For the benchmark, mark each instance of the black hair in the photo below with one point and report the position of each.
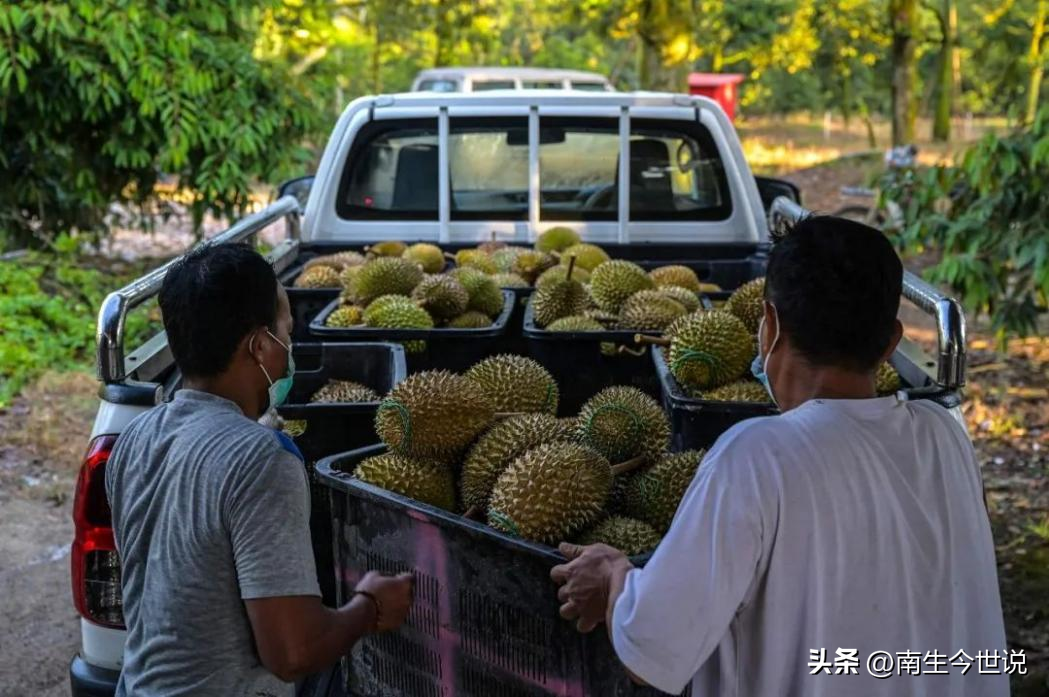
(210, 300)
(836, 286)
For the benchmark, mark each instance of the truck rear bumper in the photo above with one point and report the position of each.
(86, 680)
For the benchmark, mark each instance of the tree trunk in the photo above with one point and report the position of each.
(1036, 61)
(941, 125)
(904, 21)
(662, 26)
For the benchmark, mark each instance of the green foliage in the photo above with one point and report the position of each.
(100, 99)
(48, 306)
(988, 217)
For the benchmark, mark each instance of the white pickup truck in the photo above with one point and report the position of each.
(452, 169)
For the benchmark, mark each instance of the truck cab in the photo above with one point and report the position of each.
(646, 175)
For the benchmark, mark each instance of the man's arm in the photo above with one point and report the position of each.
(268, 520)
(297, 635)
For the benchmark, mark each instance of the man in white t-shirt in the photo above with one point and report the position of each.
(839, 549)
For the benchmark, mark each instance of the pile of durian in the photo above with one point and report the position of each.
(709, 352)
(487, 444)
(396, 286)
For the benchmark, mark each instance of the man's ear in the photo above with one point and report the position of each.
(894, 340)
(250, 346)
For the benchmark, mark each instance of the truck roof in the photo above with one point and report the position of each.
(481, 71)
(539, 97)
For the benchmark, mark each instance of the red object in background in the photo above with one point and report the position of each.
(721, 87)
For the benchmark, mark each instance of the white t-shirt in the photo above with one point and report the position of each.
(840, 525)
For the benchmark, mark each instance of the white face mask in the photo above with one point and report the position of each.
(760, 366)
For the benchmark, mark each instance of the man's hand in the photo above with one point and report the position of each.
(590, 582)
(393, 595)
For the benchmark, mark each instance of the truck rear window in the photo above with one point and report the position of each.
(675, 171)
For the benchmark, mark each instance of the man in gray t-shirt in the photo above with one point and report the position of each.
(211, 508)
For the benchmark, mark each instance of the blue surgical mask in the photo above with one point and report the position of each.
(759, 366)
(280, 389)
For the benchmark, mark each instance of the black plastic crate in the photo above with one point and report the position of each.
(697, 423)
(484, 622)
(451, 349)
(581, 369)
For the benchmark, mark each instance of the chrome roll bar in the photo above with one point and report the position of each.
(950, 319)
(109, 335)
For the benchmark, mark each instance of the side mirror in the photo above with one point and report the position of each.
(770, 189)
(298, 187)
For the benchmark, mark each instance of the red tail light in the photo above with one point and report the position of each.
(96, 566)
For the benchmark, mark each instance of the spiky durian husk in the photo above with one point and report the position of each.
(385, 276)
(550, 492)
(428, 256)
(649, 310)
(557, 239)
(687, 298)
(622, 422)
(485, 294)
(345, 316)
(614, 281)
(433, 414)
(319, 276)
(442, 296)
(575, 323)
(516, 384)
(709, 349)
(558, 273)
(629, 535)
(738, 391)
(653, 494)
(426, 480)
(345, 391)
(747, 303)
(472, 319)
(675, 275)
(887, 380)
(588, 256)
(499, 446)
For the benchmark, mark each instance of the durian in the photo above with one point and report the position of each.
(649, 310)
(504, 258)
(433, 414)
(709, 349)
(485, 294)
(614, 281)
(887, 380)
(428, 256)
(499, 446)
(557, 239)
(629, 535)
(589, 256)
(391, 248)
(558, 273)
(385, 276)
(338, 261)
(575, 323)
(687, 299)
(675, 275)
(653, 494)
(559, 299)
(528, 264)
(442, 296)
(345, 316)
(623, 423)
(515, 384)
(345, 391)
(475, 259)
(509, 280)
(471, 319)
(747, 303)
(738, 391)
(399, 312)
(319, 276)
(425, 480)
(550, 492)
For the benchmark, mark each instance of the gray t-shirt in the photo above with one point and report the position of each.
(209, 508)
